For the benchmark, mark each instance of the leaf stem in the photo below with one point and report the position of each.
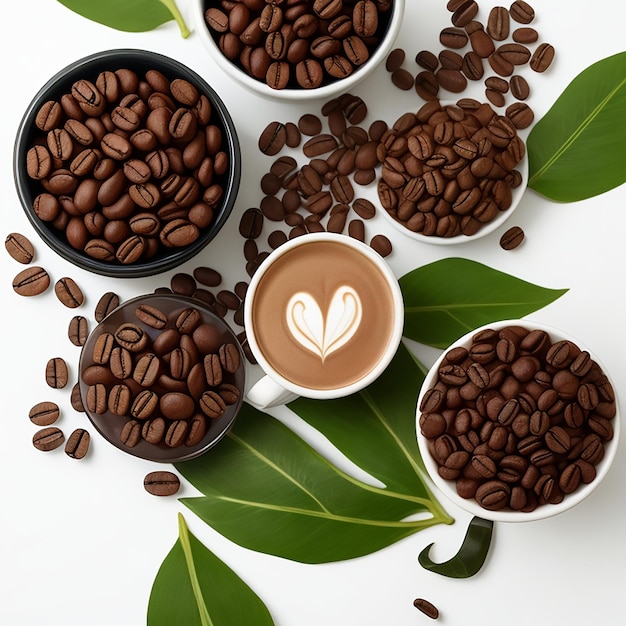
(173, 9)
(183, 535)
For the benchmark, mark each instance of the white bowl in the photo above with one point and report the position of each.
(447, 487)
(486, 229)
(299, 95)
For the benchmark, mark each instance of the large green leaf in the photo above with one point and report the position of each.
(268, 490)
(194, 588)
(577, 149)
(448, 298)
(376, 428)
(129, 15)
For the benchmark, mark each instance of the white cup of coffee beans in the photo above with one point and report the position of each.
(298, 51)
(517, 421)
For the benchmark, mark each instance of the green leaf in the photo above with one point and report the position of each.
(470, 557)
(448, 298)
(375, 429)
(129, 15)
(193, 587)
(576, 150)
(268, 490)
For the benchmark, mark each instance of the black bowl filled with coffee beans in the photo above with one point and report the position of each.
(517, 421)
(298, 50)
(162, 377)
(127, 163)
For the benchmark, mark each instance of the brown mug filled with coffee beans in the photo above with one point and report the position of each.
(517, 421)
(162, 377)
(127, 163)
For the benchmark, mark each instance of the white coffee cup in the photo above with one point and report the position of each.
(323, 317)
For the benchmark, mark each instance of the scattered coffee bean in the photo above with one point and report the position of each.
(56, 373)
(78, 330)
(68, 292)
(161, 483)
(395, 59)
(77, 444)
(542, 57)
(522, 12)
(44, 413)
(20, 248)
(31, 282)
(426, 607)
(48, 439)
(76, 399)
(512, 238)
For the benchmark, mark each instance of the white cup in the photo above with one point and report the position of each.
(337, 328)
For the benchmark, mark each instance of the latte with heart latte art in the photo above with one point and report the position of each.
(323, 315)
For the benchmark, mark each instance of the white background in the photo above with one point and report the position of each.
(81, 541)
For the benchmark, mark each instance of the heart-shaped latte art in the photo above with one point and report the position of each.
(319, 333)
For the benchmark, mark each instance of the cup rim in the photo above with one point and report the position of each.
(301, 95)
(541, 512)
(156, 265)
(396, 335)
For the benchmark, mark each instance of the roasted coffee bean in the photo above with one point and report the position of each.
(522, 12)
(20, 248)
(542, 57)
(519, 87)
(498, 24)
(395, 59)
(56, 373)
(161, 483)
(426, 607)
(44, 413)
(453, 37)
(69, 293)
(525, 35)
(78, 330)
(31, 282)
(48, 439)
(512, 238)
(77, 444)
(130, 435)
(107, 303)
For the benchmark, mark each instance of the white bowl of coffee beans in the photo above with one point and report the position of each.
(451, 172)
(517, 421)
(127, 163)
(162, 377)
(299, 50)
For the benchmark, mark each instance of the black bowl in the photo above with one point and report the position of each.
(88, 68)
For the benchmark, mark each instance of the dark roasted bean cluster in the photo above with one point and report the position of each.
(128, 166)
(516, 419)
(298, 44)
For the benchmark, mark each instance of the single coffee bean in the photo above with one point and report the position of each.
(426, 607)
(48, 439)
(69, 293)
(151, 316)
(402, 79)
(44, 413)
(395, 59)
(77, 444)
(130, 435)
(272, 138)
(522, 12)
(78, 330)
(427, 60)
(512, 238)
(161, 483)
(56, 373)
(20, 248)
(498, 23)
(542, 57)
(31, 282)
(519, 87)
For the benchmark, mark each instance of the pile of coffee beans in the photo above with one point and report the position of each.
(301, 44)
(320, 194)
(163, 377)
(517, 419)
(128, 166)
(448, 170)
(472, 49)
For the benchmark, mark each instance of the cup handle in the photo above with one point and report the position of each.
(267, 393)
